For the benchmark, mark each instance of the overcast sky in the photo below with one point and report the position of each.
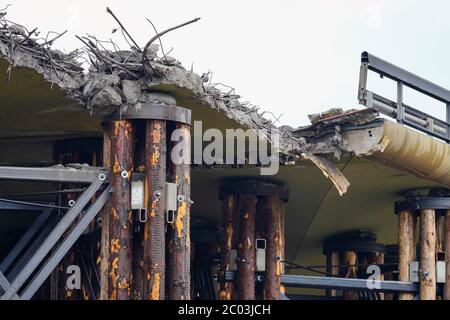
(289, 57)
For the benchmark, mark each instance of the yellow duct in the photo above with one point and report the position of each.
(414, 151)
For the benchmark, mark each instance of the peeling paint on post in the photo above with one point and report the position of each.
(273, 230)
(120, 227)
(154, 229)
(178, 276)
(227, 232)
(246, 248)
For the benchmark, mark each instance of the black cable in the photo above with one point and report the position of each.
(34, 204)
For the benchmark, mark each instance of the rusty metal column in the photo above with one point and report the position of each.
(227, 234)
(274, 250)
(120, 224)
(246, 248)
(406, 248)
(427, 263)
(178, 234)
(154, 229)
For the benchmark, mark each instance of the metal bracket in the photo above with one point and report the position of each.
(155, 111)
(437, 203)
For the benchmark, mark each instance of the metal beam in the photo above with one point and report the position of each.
(85, 175)
(54, 237)
(409, 79)
(295, 281)
(24, 240)
(65, 246)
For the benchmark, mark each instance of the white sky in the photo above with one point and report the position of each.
(288, 57)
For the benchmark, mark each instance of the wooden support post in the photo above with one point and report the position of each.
(104, 242)
(273, 230)
(154, 229)
(427, 265)
(406, 248)
(246, 249)
(228, 208)
(120, 224)
(349, 262)
(178, 236)
(446, 295)
(380, 263)
(332, 261)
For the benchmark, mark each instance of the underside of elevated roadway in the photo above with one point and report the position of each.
(34, 114)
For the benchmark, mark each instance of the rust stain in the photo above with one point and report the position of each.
(116, 167)
(154, 295)
(156, 133)
(114, 213)
(146, 232)
(155, 158)
(154, 207)
(179, 221)
(115, 246)
(229, 233)
(123, 284)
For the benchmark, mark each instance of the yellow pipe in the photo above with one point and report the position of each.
(414, 151)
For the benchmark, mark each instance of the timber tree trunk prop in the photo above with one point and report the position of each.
(178, 234)
(427, 265)
(120, 224)
(226, 287)
(154, 229)
(252, 210)
(406, 249)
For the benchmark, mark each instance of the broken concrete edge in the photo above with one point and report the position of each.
(107, 88)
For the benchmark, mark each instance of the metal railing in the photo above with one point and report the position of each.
(404, 113)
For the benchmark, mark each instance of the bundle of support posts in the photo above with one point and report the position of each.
(349, 255)
(147, 150)
(423, 221)
(253, 240)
